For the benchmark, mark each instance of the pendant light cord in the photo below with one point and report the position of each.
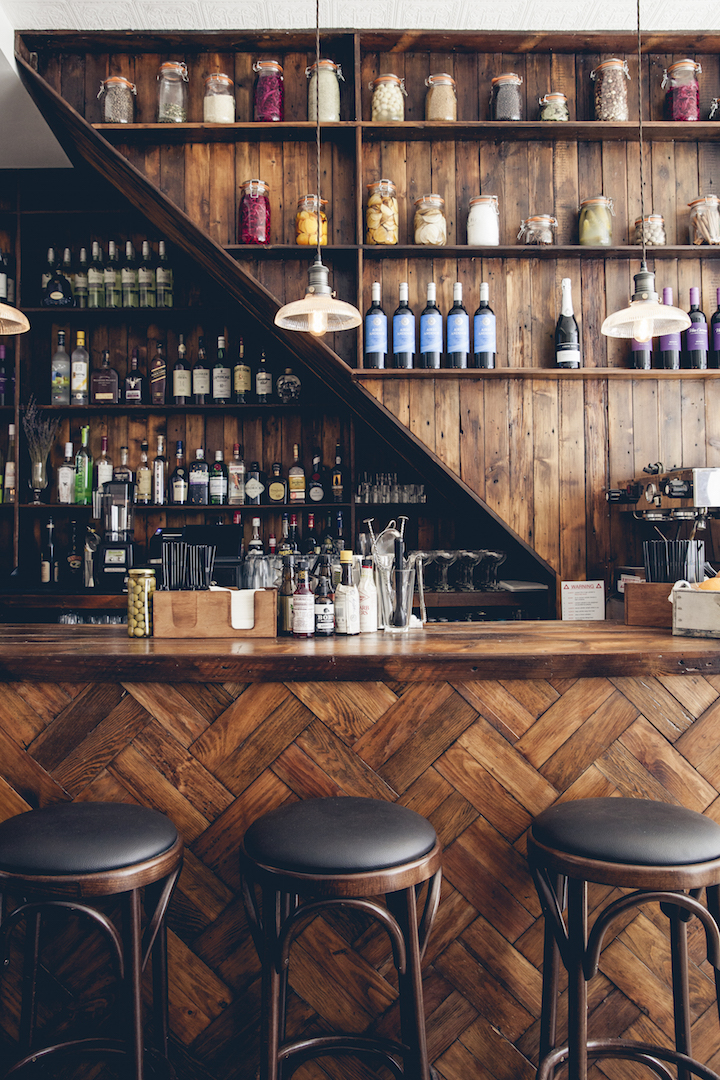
(640, 133)
(317, 118)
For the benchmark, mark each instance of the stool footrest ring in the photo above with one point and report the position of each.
(646, 1053)
(304, 1049)
(93, 1045)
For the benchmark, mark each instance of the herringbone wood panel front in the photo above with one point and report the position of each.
(479, 759)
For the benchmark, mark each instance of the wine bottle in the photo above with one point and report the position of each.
(112, 277)
(714, 360)
(129, 278)
(163, 278)
(220, 376)
(79, 372)
(96, 278)
(181, 377)
(695, 352)
(147, 286)
(669, 345)
(83, 470)
(201, 376)
(49, 567)
(376, 340)
(641, 354)
(80, 280)
(484, 331)
(143, 487)
(431, 331)
(458, 331)
(263, 381)
(160, 474)
(567, 335)
(403, 330)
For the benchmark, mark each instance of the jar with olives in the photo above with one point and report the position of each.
(172, 92)
(254, 213)
(219, 100)
(382, 219)
(306, 221)
(441, 99)
(483, 222)
(538, 229)
(654, 230)
(611, 100)
(429, 225)
(554, 106)
(388, 98)
(595, 222)
(506, 98)
(682, 91)
(269, 96)
(324, 91)
(141, 586)
(118, 100)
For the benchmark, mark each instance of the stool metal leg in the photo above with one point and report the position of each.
(131, 986)
(577, 986)
(681, 1002)
(412, 1011)
(271, 992)
(31, 963)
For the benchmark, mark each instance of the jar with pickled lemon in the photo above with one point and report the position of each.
(382, 219)
(141, 586)
(306, 221)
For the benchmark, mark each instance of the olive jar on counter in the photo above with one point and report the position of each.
(141, 586)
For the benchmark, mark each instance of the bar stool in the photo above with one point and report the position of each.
(307, 857)
(66, 857)
(663, 853)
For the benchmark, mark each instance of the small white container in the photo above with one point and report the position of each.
(483, 221)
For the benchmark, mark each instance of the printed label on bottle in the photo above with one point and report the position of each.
(567, 355)
(316, 492)
(324, 615)
(96, 279)
(221, 382)
(218, 486)
(276, 492)
(158, 483)
(104, 472)
(236, 484)
(670, 343)
(242, 380)
(144, 485)
(296, 486)
(182, 384)
(285, 613)
(458, 333)
(697, 337)
(133, 390)
(45, 572)
(201, 381)
(376, 332)
(66, 484)
(179, 490)
(484, 333)
(253, 488)
(146, 277)
(263, 383)
(79, 377)
(404, 333)
(303, 613)
(715, 336)
(431, 333)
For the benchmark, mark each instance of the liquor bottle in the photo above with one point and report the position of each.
(143, 485)
(263, 381)
(159, 474)
(60, 373)
(695, 338)
(254, 485)
(288, 387)
(147, 286)
(284, 547)
(58, 290)
(272, 545)
(484, 331)
(112, 278)
(134, 382)
(79, 371)
(303, 616)
(122, 472)
(277, 490)
(181, 376)
(10, 468)
(199, 480)
(164, 278)
(103, 472)
(324, 601)
(296, 478)
(83, 470)
(714, 360)
(310, 544)
(80, 280)
(236, 477)
(66, 477)
(201, 376)
(327, 544)
(458, 332)
(221, 376)
(50, 267)
(241, 377)
(96, 278)
(104, 383)
(669, 345)
(4, 380)
(218, 481)
(4, 262)
(129, 277)
(49, 568)
(641, 352)
(72, 564)
(158, 375)
(179, 494)
(403, 330)
(66, 269)
(255, 544)
(567, 335)
(285, 595)
(338, 477)
(316, 486)
(376, 333)
(368, 596)
(431, 331)
(11, 277)
(294, 535)
(347, 599)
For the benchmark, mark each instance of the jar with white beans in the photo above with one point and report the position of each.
(388, 100)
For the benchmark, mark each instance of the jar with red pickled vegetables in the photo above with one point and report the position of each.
(254, 214)
(682, 91)
(269, 91)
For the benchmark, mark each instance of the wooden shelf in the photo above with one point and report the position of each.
(60, 601)
(190, 132)
(539, 251)
(361, 374)
(144, 409)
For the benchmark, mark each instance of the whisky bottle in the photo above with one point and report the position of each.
(134, 382)
(277, 485)
(181, 377)
(129, 277)
(143, 487)
(179, 479)
(104, 383)
(218, 484)
(220, 376)
(263, 381)
(303, 609)
(96, 278)
(79, 371)
(122, 472)
(316, 486)
(112, 278)
(83, 470)
(201, 376)
(147, 287)
(484, 331)
(296, 478)
(242, 377)
(164, 278)
(159, 474)
(60, 373)
(158, 375)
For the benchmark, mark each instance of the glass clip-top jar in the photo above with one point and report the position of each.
(254, 215)
(682, 91)
(441, 99)
(554, 106)
(382, 218)
(141, 586)
(269, 98)
(324, 91)
(118, 100)
(705, 220)
(172, 92)
(219, 100)
(611, 79)
(429, 225)
(505, 97)
(483, 222)
(538, 229)
(654, 230)
(388, 99)
(306, 221)
(595, 221)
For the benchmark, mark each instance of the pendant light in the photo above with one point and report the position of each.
(318, 311)
(12, 320)
(646, 317)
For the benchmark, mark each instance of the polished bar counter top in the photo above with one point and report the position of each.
(535, 650)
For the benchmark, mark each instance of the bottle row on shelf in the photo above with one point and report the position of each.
(118, 282)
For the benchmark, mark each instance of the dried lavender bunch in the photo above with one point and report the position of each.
(40, 431)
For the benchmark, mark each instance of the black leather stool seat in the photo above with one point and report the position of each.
(83, 838)
(339, 836)
(639, 832)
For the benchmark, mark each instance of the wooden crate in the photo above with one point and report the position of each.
(646, 603)
(207, 615)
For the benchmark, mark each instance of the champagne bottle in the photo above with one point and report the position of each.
(376, 340)
(567, 335)
(431, 331)
(403, 330)
(458, 331)
(669, 345)
(696, 336)
(715, 335)
(484, 331)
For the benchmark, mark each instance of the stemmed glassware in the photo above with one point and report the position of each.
(38, 479)
(444, 560)
(492, 560)
(468, 561)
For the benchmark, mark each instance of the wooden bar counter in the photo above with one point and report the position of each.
(477, 726)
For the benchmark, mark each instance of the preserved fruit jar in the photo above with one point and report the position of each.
(483, 222)
(654, 230)
(429, 224)
(254, 215)
(611, 79)
(306, 221)
(554, 106)
(388, 98)
(682, 91)
(219, 100)
(141, 586)
(705, 220)
(324, 91)
(172, 92)
(714, 106)
(538, 229)
(118, 100)
(382, 220)
(269, 98)
(441, 99)
(595, 223)
(505, 97)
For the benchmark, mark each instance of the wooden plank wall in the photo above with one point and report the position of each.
(479, 759)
